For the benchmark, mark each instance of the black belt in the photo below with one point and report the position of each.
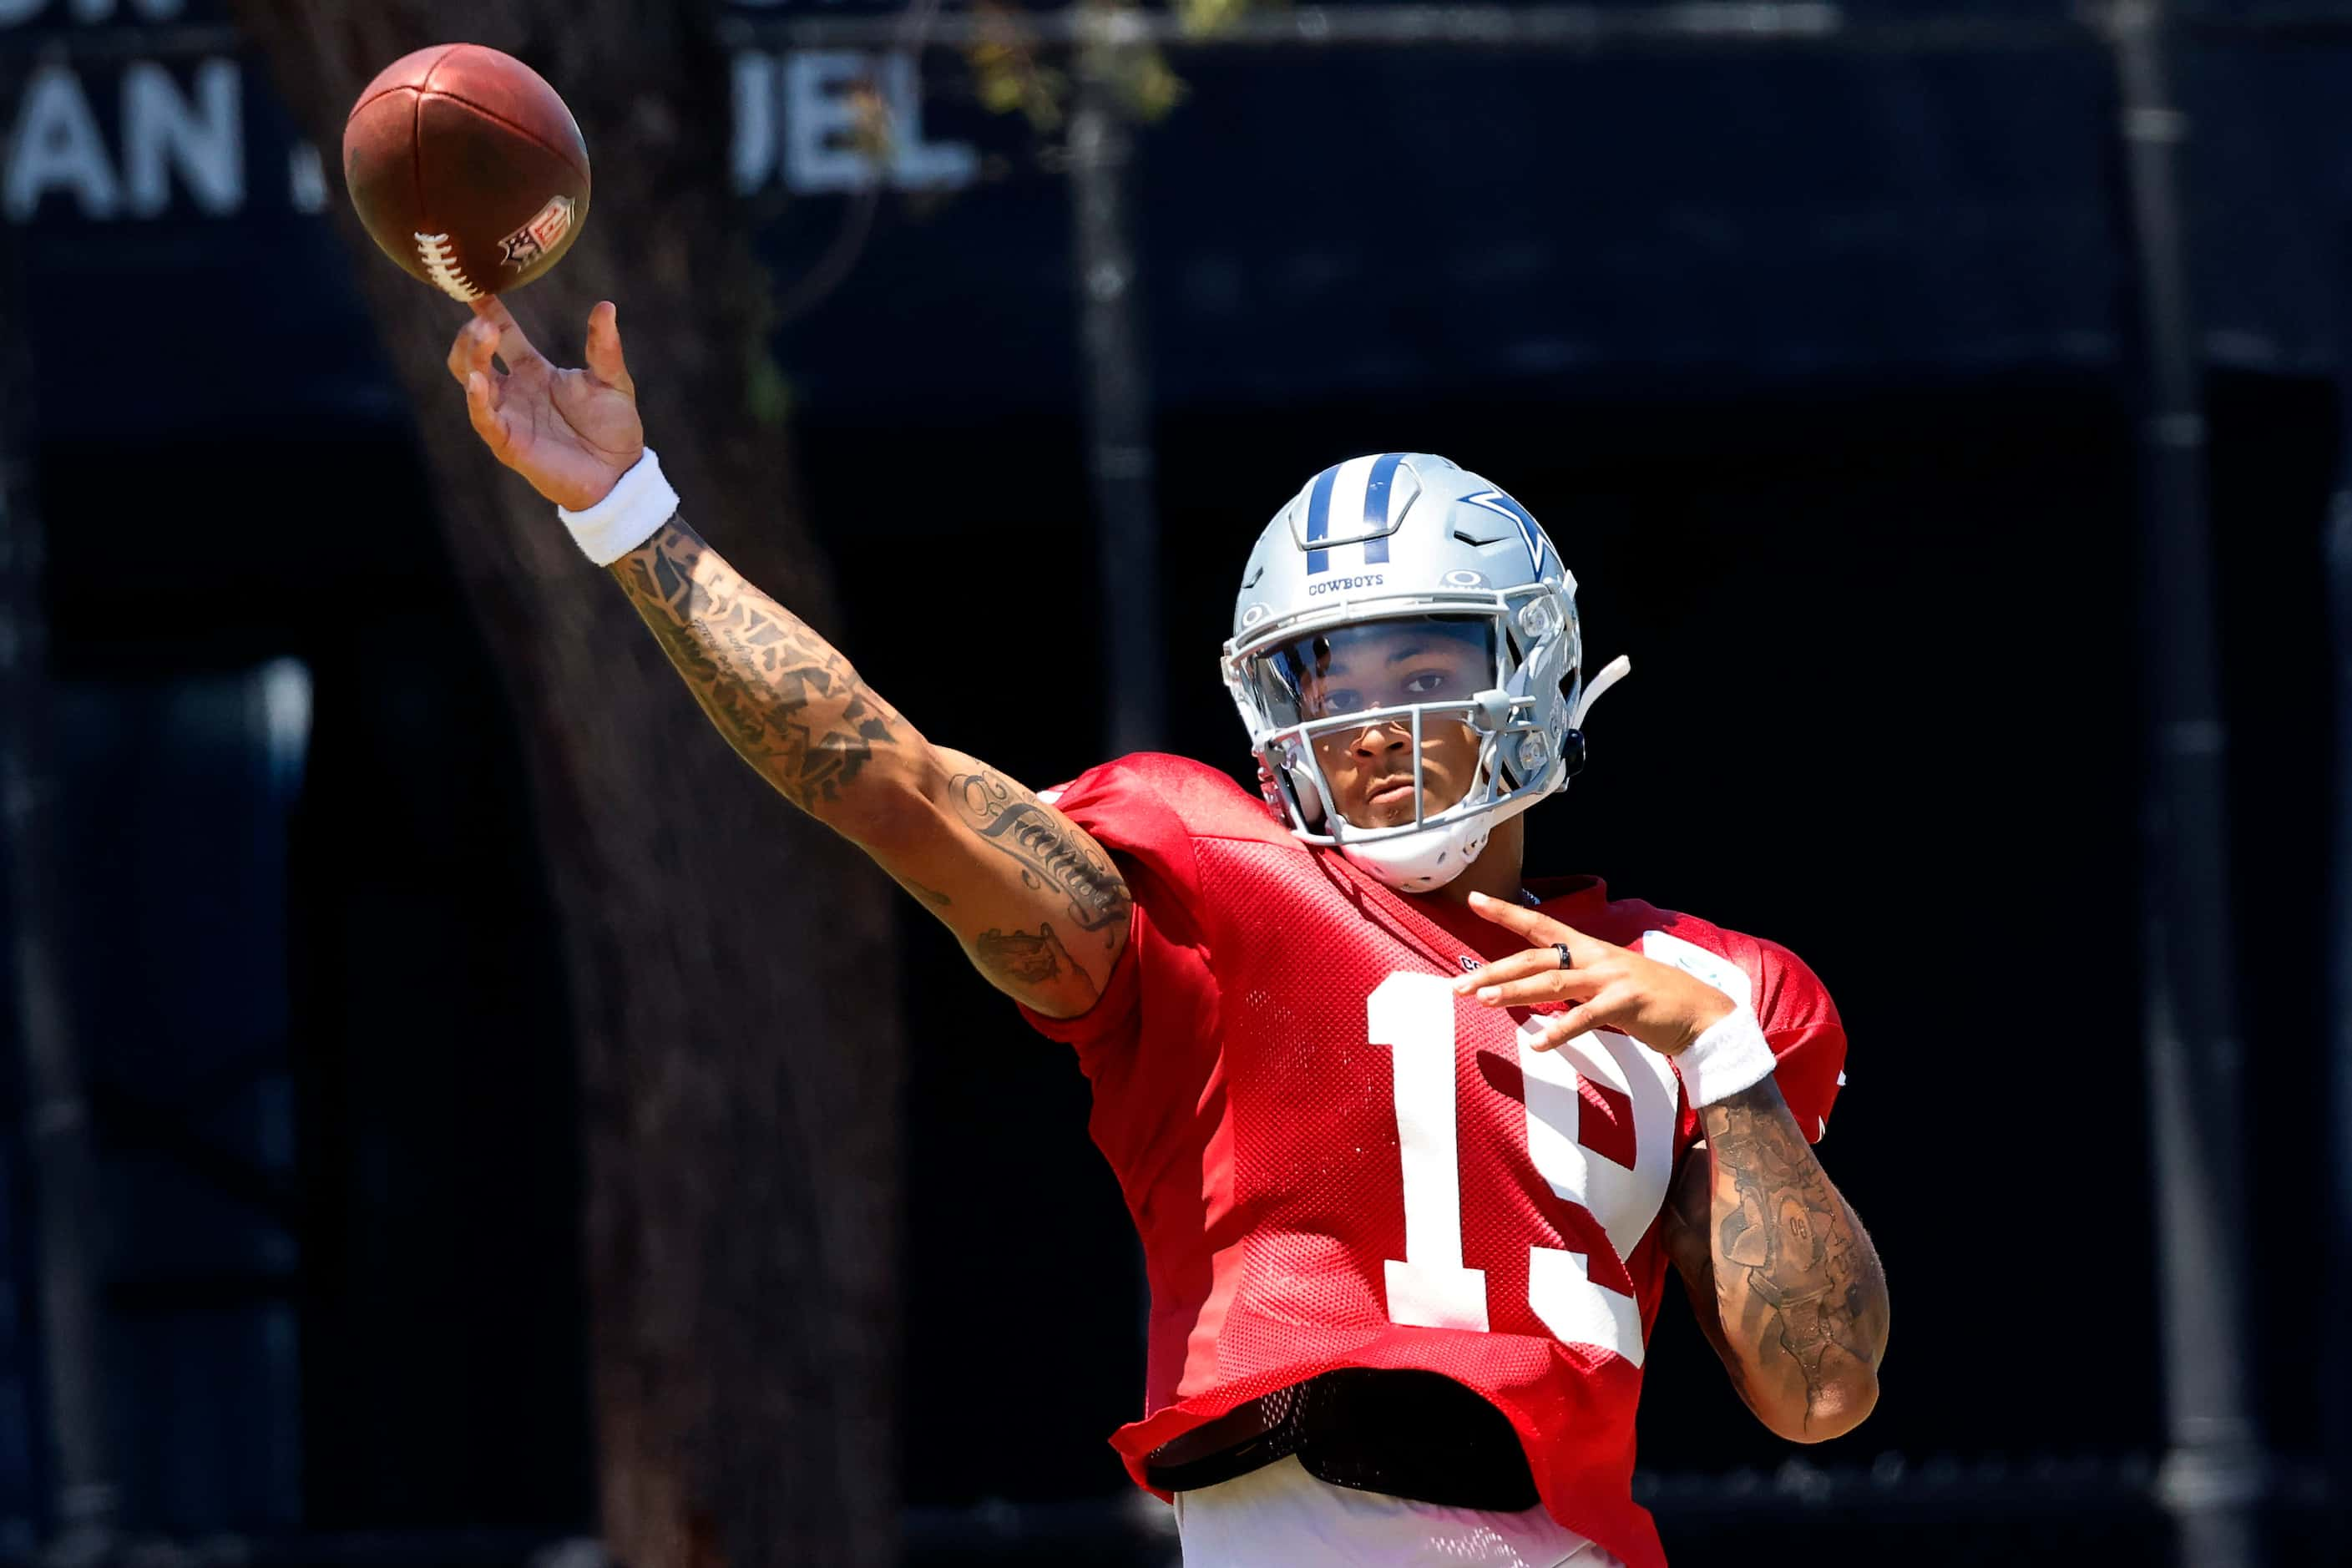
(1413, 1434)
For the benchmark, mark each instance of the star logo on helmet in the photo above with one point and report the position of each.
(1504, 506)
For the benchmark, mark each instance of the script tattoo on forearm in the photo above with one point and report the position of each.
(1794, 1270)
(788, 702)
(1011, 820)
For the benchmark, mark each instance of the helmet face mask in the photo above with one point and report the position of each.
(1416, 684)
(1401, 599)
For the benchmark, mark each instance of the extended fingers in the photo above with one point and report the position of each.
(1612, 1005)
(513, 346)
(1535, 976)
(1565, 1026)
(1528, 961)
(1512, 917)
(462, 349)
(1539, 929)
(478, 340)
(490, 422)
(605, 358)
(1554, 986)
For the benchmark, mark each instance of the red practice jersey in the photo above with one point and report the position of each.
(1334, 1162)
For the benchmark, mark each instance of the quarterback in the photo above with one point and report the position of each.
(1410, 1140)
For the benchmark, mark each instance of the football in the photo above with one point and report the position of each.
(467, 169)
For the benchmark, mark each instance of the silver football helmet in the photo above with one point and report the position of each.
(1394, 594)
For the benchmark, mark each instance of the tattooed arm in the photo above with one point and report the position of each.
(788, 704)
(1782, 1276)
(1034, 900)
(1038, 906)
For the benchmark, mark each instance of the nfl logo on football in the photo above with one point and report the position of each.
(535, 238)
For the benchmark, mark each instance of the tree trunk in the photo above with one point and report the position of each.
(731, 963)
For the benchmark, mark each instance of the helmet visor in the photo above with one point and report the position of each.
(1376, 665)
(1381, 708)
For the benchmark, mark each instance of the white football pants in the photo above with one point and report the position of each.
(1281, 1517)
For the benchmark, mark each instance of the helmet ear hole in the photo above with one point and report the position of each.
(1310, 804)
(1276, 778)
(1302, 789)
(1571, 753)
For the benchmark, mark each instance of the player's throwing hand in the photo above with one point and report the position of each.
(571, 433)
(1613, 987)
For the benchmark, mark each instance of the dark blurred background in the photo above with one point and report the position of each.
(1824, 339)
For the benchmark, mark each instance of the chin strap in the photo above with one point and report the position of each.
(1615, 670)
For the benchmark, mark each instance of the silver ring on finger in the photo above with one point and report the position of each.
(1561, 947)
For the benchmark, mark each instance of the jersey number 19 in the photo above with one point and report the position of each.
(1412, 1013)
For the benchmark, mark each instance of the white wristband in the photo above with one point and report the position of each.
(630, 512)
(1729, 1056)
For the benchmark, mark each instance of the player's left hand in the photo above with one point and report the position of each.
(1614, 987)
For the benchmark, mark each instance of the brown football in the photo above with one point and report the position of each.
(466, 168)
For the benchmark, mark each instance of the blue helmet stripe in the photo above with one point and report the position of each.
(1318, 519)
(1376, 505)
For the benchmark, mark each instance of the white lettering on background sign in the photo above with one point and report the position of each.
(16, 13)
(306, 178)
(756, 137)
(54, 146)
(187, 141)
(200, 138)
(806, 113)
(153, 139)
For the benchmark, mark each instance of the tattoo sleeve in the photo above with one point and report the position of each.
(788, 702)
(1017, 882)
(1798, 1284)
